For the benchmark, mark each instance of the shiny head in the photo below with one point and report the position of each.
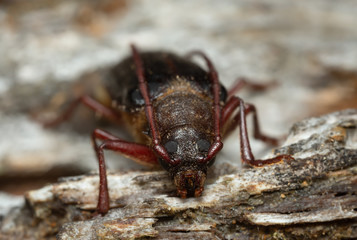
(186, 147)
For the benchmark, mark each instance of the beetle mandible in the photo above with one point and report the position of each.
(177, 112)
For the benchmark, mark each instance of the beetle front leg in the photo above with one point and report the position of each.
(240, 120)
(138, 152)
(103, 198)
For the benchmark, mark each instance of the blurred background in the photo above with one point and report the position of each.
(53, 51)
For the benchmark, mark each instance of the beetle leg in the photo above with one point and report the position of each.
(240, 119)
(243, 82)
(87, 101)
(232, 104)
(138, 152)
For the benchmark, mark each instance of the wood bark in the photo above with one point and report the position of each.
(311, 197)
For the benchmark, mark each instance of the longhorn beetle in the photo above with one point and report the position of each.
(178, 114)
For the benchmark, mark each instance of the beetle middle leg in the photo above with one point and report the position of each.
(138, 152)
(240, 120)
(87, 101)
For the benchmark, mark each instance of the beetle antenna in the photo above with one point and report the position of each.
(217, 145)
(143, 86)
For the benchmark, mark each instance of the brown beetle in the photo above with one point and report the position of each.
(177, 113)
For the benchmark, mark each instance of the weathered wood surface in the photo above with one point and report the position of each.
(312, 197)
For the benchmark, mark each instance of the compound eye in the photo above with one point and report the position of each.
(171, 146)
(203, 145)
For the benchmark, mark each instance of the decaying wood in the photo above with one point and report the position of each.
(312, 197)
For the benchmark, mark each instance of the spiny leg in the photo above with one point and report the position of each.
(87, 101)
(243, 82)
(240, 119)
(138, 152)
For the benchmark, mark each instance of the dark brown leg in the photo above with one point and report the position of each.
(87, 101)
(137, 152)
(243, 82)
(240, 119)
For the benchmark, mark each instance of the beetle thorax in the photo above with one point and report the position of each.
(181, 104)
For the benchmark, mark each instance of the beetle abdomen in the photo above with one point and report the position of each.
(183, 104)
(159, 69)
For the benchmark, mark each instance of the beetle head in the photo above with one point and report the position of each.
(187, 147)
